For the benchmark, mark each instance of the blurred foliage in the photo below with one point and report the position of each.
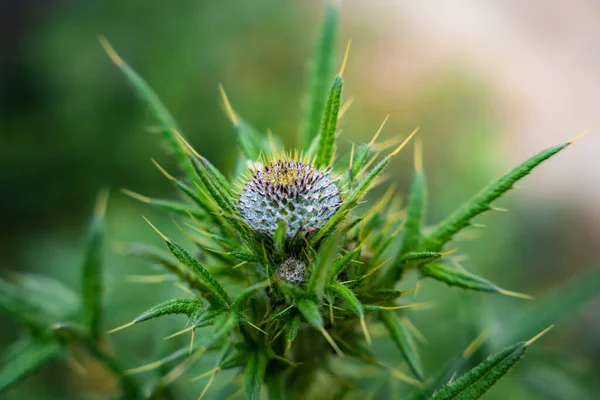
(68, 125)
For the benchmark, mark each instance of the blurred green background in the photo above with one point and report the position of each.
(70, 124)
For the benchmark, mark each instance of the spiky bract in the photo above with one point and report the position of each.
(297, 193)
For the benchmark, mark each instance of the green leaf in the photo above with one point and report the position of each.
(23, 359)
(310, 311)
(462, 217)
(16, 304)
(167, 125)
(91, 287)
(218, 293)
(329, 120)
(255, 374)
(241, 298)
(463, 279)
(343, 261)
(194, 265)
(183, 305)
(417, 203)
(322, 272)
(476, 382)
(447, 373)
(358, 193)
(291, 331)
(321, 71)
(250, 140)
(419, 258)
(403, 339)
(55, 300)
(349, 297)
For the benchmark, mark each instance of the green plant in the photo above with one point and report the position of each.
(292, 273)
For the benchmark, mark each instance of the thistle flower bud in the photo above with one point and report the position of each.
(302, 196)
(292, 270)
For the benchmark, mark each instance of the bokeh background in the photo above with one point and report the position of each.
(489, 83)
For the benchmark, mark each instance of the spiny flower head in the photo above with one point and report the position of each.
(295, 192)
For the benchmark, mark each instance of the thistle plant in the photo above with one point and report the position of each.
(290, 274)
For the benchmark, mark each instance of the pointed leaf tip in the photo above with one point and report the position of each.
(378, 131)
(539, 335)
(166, 239)
(137, 196)
(345, 58)
(584, 133)
(404, 143)
(101, 202)
(124, 326)
(110, 51)
(227, 104)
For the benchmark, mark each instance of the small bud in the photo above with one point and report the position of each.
(292, 270)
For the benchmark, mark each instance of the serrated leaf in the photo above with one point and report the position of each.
(476, 382)
(255, 374)
(167, 125)
(463, 279)
(220, 296)
(403, 339)
(291, 331)
(461, 218)
(417, 202)
(326, 144)
(321, 71)
(419, 258)
(241, 298)
(25, 358)
(91, 286)
(183, 305)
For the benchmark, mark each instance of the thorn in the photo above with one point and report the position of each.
(331, 342)
(127, 325)
(351, 158)
(189, 146)
(515, 294)
(161, 169)
(144, 368)
(111, 51)
(101, 202)
(166, 239)
(181, 368)
(256, 327)
(197, 378)
(539, 335)
(228, 108)
(418, 155)
(581, 135)
(192, 341)
(345, 58)
(475, 344)
(413, 329)
(363, 325)
(478, 225)
(499, 209)
(210, 381)
(378, 131)
(148, 278)
(181, 332)
(447, 253)
(404, 143)
(137, 196)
